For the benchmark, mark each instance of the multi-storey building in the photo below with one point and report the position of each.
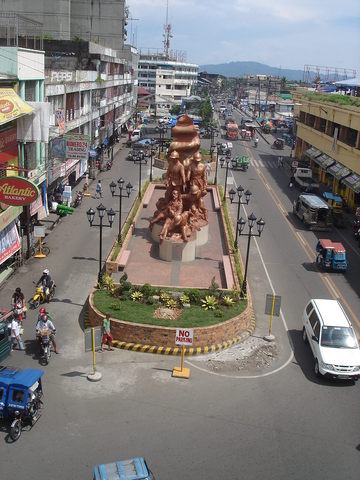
(91, 88)
(168, 78)
(22, 73)
(99, 21)
(328, 137)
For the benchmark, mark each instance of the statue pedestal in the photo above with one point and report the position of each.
(175, 248)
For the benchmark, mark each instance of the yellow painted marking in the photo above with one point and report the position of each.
(198, 350)
(225, 344)
(136, 346)
(128, 346)
(144, 347)
(190, 351)
(160, 349)
(175, 351)
(167, 350)
(213, 348)
(151, 349)
(206, 349)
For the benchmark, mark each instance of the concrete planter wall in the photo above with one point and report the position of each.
(165, 336)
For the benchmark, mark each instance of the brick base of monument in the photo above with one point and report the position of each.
(129, 332)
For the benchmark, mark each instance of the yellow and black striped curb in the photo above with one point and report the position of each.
(138, 347)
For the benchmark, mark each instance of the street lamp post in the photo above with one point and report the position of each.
(141, 160)
(232, 193)
(152, 153)
(162, 131)
(228, 161)
(217, 161)
(129, 187)
(240, 225)
(91, 215)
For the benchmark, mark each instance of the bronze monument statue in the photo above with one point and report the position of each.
(182, 210)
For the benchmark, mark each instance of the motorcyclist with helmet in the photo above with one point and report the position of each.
(45, 323)
(18, 303)
(46, 282)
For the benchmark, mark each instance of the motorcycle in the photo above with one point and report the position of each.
(40, 296)
(45, 345)
(108, 165)
(256, 143)
(78, 199)
(20, 311)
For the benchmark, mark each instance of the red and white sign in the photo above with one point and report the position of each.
(17, 191)
(9, 242)
(184, 336)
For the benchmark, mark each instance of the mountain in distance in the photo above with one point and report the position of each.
(238, 69)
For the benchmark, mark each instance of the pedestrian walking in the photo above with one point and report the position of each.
(208, 169)
(15, 335)
(107, 337)
(280, 162)
(99, 192)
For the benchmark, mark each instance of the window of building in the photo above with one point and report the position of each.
(351, 137)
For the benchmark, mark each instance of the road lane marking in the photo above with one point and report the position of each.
(307, 248)
(301, 238)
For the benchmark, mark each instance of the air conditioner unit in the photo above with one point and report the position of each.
(32, 174)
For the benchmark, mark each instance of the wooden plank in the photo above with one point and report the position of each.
(229, 278)
(124, 257)
(216, 198)
(148, 195)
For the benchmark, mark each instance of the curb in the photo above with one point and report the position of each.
(138, 347)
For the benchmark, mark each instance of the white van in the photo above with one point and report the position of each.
(332, 339)
(136, 135)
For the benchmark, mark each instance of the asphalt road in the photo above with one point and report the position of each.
(279, 423)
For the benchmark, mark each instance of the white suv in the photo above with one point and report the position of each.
(332, 339)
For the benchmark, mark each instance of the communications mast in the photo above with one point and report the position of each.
(167, 33)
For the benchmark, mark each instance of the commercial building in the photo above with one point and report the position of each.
(92, 92)
(22, 74)
(328, 137)
(168, 77)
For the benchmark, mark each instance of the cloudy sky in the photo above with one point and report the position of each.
(286, 33)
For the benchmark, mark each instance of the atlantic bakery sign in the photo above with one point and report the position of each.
(17, 191)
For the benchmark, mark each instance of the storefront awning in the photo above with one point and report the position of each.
(324, 161)
(353, 181)
(338, 170)
(313, 153)
(11, 106)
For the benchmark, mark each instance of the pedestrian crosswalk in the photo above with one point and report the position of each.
(259, 163)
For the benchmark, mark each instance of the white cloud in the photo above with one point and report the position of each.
(290, 32)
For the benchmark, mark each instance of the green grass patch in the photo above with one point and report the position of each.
(344, 100)
(128, 222)
(136, 312)
(231, 235)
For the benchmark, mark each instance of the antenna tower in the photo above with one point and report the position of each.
(167, 33)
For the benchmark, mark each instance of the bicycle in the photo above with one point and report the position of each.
(44, 249)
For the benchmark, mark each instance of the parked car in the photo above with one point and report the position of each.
(332, 340)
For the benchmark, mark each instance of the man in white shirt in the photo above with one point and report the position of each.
(15, 334)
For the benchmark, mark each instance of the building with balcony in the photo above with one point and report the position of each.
(22, 74)
(91, 90)
(328, 137)
(169, 79)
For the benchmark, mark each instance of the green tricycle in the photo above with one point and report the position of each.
(241, 163)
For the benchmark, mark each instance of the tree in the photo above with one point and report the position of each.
(175, 109)
(283, 83)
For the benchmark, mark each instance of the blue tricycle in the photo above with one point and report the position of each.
(20, 398)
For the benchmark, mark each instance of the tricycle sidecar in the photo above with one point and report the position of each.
(20, 398)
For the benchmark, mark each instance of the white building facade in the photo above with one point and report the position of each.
(169, 80)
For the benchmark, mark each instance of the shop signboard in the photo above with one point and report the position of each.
(17, 191)
(10, 214)
(9, 242)
(35, 206)
(11, 106)
(77, 146)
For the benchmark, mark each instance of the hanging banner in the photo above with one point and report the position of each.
(17, 191)
(11, 106)
(9, 242)
(60, 120)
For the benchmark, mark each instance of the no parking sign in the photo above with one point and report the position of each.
(184, 336)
